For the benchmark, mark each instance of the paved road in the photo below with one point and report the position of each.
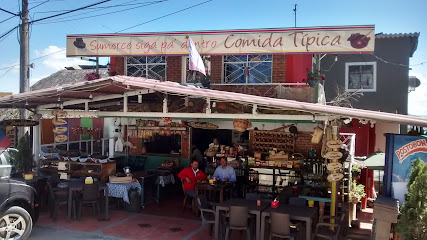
(43, 233)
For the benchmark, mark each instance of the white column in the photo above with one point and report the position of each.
(125, 103)
(36, 144)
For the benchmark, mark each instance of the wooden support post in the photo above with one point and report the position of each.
(125, 103)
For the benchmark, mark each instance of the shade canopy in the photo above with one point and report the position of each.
(82, 95)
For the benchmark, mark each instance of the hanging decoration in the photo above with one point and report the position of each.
(241, 125)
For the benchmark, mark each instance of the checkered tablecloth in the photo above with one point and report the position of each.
(120, 190)
(163, 180)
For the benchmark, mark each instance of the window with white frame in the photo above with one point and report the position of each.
(361, 76)
(153, 67)
(190, 76)
(248, 69)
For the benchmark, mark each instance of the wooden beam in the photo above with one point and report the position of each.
(81, 113)
(94, 99)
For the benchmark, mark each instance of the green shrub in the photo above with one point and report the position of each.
(412, 222)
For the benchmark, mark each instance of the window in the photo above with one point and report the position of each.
(361, 76)
(150, 67)
(164, 144)
(247, 69)
(194, 77)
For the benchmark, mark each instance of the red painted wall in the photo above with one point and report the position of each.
(296, 68)
(365, 137)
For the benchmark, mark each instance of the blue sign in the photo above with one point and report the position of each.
(406, 150)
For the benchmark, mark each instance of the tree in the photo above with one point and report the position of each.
(413, 218)
(24, 156)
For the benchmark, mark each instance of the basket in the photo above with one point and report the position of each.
(211, 152)
(114, 179)
(241, 124)
(317, 135)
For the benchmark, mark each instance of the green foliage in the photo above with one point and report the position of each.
(413, 215)
(357, 191)
(356, 168)
(24, 156)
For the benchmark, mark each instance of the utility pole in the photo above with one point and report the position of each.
(24, 74)
(24, 63)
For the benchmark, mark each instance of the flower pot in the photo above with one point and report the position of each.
(313, 83)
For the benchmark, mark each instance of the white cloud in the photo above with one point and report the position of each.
(57, 60)
(417, 100)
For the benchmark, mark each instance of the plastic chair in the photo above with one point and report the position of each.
(238, 220)
(296, 201)
(207, 214)
(186, 197)
(281, 226)
(89, 197)
(323, 229)
(55, 200)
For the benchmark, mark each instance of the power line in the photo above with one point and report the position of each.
(34, 59)
(39, 4)
(74, 10)
(7, 19)
(6, 72)
(11, 30)
(4, 10)
(102, 14)
(125, 4)
(397, 64)
(184, 9)
(5, 36)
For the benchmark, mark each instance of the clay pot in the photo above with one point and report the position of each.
(241, 124)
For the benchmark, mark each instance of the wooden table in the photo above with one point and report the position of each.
(76, 186)
(300, 213)
(250, 204)
(221, 188)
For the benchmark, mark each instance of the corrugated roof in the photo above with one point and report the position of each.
(123, 84)
(396, 35)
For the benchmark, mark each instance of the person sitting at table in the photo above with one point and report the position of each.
(190, 176)
(225, 172)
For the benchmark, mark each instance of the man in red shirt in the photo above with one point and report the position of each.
(190, 176)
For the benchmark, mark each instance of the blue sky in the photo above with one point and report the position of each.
(390, 16)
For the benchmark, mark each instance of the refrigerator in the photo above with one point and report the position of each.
(401, 152)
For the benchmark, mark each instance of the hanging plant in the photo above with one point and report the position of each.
(314, 78)
(91, 76)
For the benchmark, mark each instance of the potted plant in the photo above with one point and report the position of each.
(357, 192)
(314, 78)
(92, 76)
(24, 157)
(355, 171)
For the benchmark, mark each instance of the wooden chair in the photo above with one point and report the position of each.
(186, 198)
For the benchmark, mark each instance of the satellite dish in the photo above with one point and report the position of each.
(414, 82)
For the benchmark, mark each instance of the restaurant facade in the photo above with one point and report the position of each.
(252, 108)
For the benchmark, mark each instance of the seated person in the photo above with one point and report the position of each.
(190, 176)
(225, 172)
